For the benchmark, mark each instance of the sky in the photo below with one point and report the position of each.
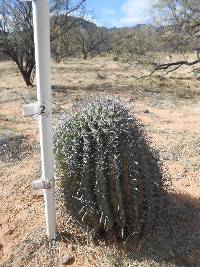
(119, 13)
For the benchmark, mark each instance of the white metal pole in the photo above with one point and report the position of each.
(41, 20)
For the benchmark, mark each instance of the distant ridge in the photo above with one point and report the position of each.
(90, 26)
(136, 27)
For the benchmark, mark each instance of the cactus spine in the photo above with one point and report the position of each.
(111, 179)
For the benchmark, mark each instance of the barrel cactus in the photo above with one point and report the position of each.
(110, 177)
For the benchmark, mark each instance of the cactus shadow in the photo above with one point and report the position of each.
(175, 240)
(176, 237)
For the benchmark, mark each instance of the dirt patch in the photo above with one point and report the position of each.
(168, 109)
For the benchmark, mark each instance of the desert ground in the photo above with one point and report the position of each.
(169, 109)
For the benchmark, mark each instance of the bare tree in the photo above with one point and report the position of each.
(180, 28)
(91, 41)
(16, 35)
(16, 29)
(135, 46)
(177, 30)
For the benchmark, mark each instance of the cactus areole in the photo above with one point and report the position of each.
(110, 178)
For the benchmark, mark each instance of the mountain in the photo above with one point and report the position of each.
(136, 27)
(89, 26)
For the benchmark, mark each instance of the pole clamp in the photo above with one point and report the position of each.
(32, 109)
(43, 184)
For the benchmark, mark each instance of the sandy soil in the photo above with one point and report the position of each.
(170, 112)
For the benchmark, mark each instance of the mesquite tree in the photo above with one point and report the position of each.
(16, 35)
(179, 22)
(16, 29)
(91, 42)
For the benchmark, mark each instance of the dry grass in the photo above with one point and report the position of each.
(169, 110)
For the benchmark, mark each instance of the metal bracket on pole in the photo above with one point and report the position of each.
(42, 184)
(33, 109)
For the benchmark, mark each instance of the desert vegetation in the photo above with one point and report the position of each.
(154, 71)
(111, 179)
(175, 31)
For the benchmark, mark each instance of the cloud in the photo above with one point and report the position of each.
(99, 24)
(135, 12)
(92, 19)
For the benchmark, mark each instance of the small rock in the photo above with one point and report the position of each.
(146, 111)
(132, 98)
(166, 157)
(186, 185)
(66, 260)
(101, 76)
(10, 232)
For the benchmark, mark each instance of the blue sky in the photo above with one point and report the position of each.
(119, 13)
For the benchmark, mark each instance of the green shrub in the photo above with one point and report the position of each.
(111, 179)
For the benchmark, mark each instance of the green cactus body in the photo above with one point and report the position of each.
(116, 177)
(102, 185)
(111, 179)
